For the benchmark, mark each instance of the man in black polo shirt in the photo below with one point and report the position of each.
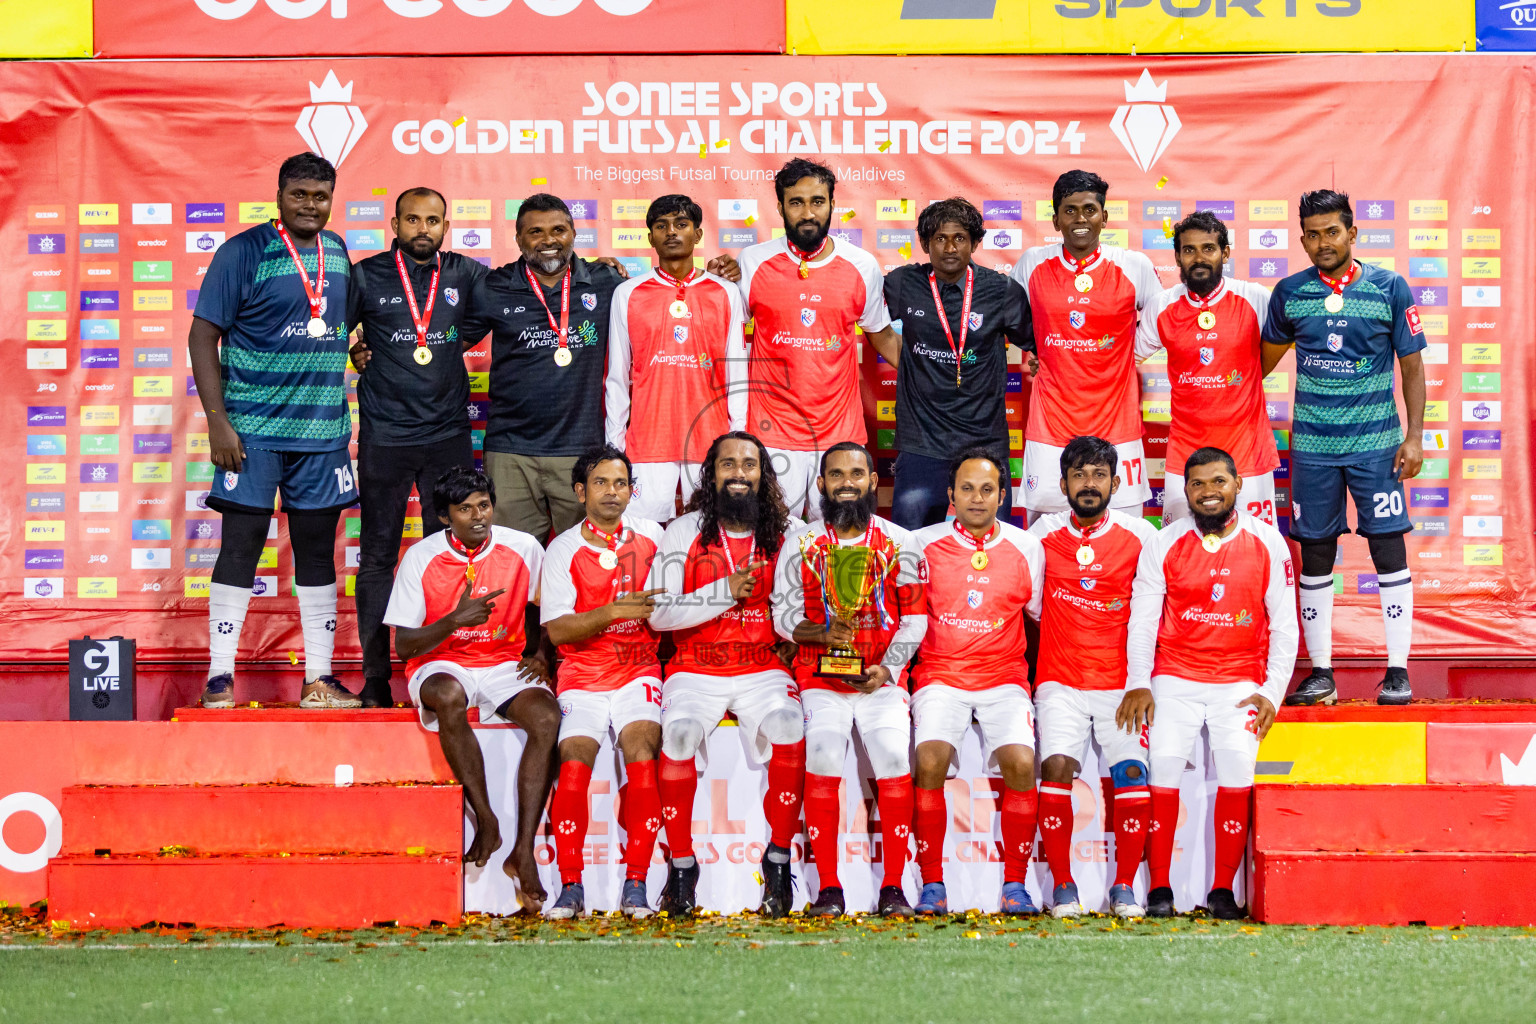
(412, 399)
(950, 358)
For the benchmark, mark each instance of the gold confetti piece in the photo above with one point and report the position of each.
(529, 133)
(381, 191)
(905, 250)
(884, 145)
(538, 181)
(1167, 227)
(904, 203)
(415, 851)
(757, 876)
(703, 151)
(460, 121)
(751, 219)
(254, 704)
(849, 216)
(1162, 181)
(723, 143)
(293, 659)
(972, 935)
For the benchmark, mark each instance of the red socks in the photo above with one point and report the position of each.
(895, 796)
(568, 814)
(1018, 832)
(821, 824)
(1132, 806)
(678, 783)
(1165, 819)
(1232, 804)
(932, 821)
(786, 783)
(1056, 829)
(641, 812)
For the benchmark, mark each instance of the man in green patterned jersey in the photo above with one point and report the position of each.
(1347, 321)
(269, 354)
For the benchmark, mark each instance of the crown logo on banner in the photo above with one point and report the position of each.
(1145, 124)
(332, 123)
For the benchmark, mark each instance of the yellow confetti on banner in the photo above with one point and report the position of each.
(904, 203)
(538, 181)
(751, 219)
(1162, 181)
(293, 659)
(723, 144)
(849, 216)
(381, 191)
(460, 121)
(905, 250)
(1167, 227)
(529, 133)
(884, 145)
(703, 151)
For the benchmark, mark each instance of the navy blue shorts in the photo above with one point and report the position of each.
(308, 482)
(1317, 500)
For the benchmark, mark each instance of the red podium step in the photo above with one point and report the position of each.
(1390, 819)
(255, 892)
(263, 819)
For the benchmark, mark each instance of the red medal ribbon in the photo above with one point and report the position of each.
(812, 258)
(970, 538)
(965, 315)
(565, 303)
(419, 321)
(610, 540)
(314, 293)
(459, 547)
(1086, 532)
(1080, 266)
(1339, 285)
(681, 286)
(1204, 304)
(725, 545)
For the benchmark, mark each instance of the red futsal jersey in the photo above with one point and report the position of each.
(1087, 603)
(975, 637)
(805, 365)
(715, 634)
(677, 366)
(432, 578)
(1222, 616)
(889, 627)
(575, 581)
(1214, 372)
(1085, 341)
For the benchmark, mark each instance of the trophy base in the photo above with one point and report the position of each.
(846, 667)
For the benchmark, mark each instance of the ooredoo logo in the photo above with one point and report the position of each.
(332, 123)
(1145, 125)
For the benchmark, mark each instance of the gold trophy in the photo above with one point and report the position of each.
(850, 579)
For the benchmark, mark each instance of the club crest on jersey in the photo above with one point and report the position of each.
(973, 598)
(807, 316)
(1218, 591)
(1088, 584)
(1032, 482)
(679, 333)
(231, 478)
(1335, 342)
(1207, 355)
(451, 296)
(1077, 318)
(589, 300)
(975, 321)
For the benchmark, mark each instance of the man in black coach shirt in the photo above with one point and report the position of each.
(950, 384)
(412, 399)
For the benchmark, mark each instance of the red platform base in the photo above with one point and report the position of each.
(1394, 888)
(263, 819)
(255, 892)
(1390, 819)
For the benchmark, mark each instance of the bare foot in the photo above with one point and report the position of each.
(523, 869)
(486, 842)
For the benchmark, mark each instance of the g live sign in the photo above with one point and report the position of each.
(1118, 26)
(283, 28)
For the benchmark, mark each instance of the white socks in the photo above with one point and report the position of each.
(1317, 618)
(317, 615)
(1396, 592)
(226, 617)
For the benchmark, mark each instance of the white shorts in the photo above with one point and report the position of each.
(886, 708)
(1042, 477)
(797, 472)
(1005, 714)
(655, 489)
(752, 697)
(591, 713)
(1257, 497)
(485, 688)
(1070, 718)
(1184, 706)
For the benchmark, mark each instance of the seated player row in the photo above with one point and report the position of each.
(806, 631)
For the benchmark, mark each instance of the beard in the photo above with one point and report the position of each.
(551, 266)
(1092, 506)
(849, 513)
(738, 509)
(808, 237)
(1212, 522)
(1206, 285)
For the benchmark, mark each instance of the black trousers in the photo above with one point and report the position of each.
(385, 476)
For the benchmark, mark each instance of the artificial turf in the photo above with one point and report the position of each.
(975, 968)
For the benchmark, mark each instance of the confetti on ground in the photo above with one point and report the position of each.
(884, 145)
(538, 181)
(1162, 181)
(849, 216)
(460, 121)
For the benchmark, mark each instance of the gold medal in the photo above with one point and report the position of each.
(1210, 542)
(423, 355)
(1085, 555)
(315, 327)
(608, 560)
(1206, 320)
(678, 309)
(979, 560)
(1334, 303)
(562, 357)
(1083, 283)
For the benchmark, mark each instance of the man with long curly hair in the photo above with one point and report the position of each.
(716, 565)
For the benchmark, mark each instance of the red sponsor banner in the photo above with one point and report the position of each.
(156, 164)
(301, 28)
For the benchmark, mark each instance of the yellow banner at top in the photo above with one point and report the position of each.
(56, 28)
(1119, 26)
